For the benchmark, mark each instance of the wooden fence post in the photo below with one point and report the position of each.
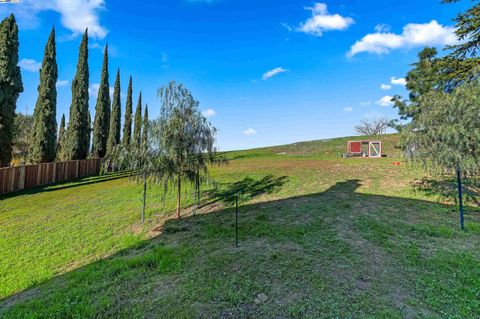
(23, 176)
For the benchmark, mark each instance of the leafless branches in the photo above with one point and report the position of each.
(372, 127)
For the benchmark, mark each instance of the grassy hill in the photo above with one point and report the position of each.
(322, 149)
(320, 237)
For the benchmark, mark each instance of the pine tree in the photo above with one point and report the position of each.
(137, 130)
(127, 125)
(115, 118)
(102, 112)
(78, 119)
(44, 135)
(61, 135)
(467, 24)
(10, 86)
(145, 128)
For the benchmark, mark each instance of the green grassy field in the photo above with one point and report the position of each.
(320, 237)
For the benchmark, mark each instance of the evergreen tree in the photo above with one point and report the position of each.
(145, 128)
(10, 86)
(22, 137)
(137, 130)
(467, 26)
(89, 132)
(127, 125)
(102, 112)
(444, 136)
(61, 135)
(115, 118)
(78, 119)
(44, 135)
(463, 64)
(423, 78)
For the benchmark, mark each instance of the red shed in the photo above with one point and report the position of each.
(365, 148)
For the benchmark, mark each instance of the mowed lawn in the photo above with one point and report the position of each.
(320, 237)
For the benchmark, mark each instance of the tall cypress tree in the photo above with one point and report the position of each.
(102, 112)
(115, 118)
(10, 86)
(61, 135)
(127, 125)
(145, 127)
(137, 129)
(44, 134)
(89, 132)
(78, 120)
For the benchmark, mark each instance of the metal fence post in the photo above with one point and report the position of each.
(236, 220)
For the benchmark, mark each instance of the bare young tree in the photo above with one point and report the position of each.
(372, 127)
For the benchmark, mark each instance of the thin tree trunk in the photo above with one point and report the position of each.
(179, 195)
(197, 192)
(144, 196)
(198, 188)
(460, 198)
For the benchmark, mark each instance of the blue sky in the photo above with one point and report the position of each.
(265, 72)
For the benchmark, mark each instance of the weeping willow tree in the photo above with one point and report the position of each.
(178, 149)
(445, 136)
(185, 140)
(141, 160)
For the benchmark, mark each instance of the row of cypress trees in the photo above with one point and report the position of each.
(73, 142)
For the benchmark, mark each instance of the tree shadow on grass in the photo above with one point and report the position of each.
(247, 189)
(446, 189)
(298, 251)
(83, 181)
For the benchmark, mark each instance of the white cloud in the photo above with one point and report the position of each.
(164, 57)
(209, 113)
(366, 103)
(95, 87)
(96, 45)
(93, 90)
(322, 21)
(385, 87)
(272, 73)
(413, 35)
(111, 89)
(379, 28)
(348, 109)
(249, 132)
(400, 81)
(75, 15)
(385, 101)
(287, 26)
(61, 83)
(29, 65)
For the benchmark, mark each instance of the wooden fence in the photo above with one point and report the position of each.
(13, 179)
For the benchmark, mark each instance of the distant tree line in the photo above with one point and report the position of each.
(38, 139)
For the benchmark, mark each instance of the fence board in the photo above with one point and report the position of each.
(13, 179)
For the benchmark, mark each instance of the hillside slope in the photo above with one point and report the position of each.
(320, 236)
(323, 149)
